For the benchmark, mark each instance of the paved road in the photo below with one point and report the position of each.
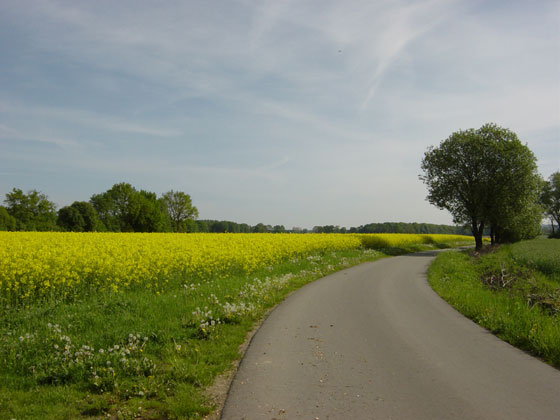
(375, 342)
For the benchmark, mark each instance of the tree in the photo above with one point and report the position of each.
(124, 209)
(202, 226)
(70, 219)
(80, 216)
(279, 229)
(550, 198)
(180, 209)
(244, 228)
(220, 226)
(513, 209)
(259, 228)
(7, 222)
(32, 211)
(147, 213)
(112, 206)
(524, 224)
(484, 178)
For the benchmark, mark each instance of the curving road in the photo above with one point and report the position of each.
(375, 342)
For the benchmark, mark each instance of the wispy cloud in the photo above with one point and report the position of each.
(400, 26)
(86, 118)
(13, 134)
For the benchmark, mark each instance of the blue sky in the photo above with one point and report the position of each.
(298, 113)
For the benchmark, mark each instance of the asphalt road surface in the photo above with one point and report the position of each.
(375, 342)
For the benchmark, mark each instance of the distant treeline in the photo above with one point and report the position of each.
(123, 208)
(218, 226)
(223, 226)
(396, 227)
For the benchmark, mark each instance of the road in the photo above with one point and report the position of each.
(375, 342)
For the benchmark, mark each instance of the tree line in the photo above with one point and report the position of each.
(122, 208)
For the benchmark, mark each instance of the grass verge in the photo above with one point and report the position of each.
(513, 291)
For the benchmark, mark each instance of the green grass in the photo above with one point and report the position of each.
(542, 254)
(513, 292)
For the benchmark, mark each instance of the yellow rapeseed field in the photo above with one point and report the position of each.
(36, 265)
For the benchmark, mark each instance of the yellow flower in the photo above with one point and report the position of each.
(59, 264)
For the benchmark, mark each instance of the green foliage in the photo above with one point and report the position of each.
(485, 177)
(550, 199)
(218, 226)
(507, 292)
(327, 229)
(180, 210)
(147, 213)
(520, 225)
(79, 217)
(7, 222)
(70, 219)
(124, 209)
(513, 208)
(113, 207)
(260, 228)
(32, 211)
(278, 229)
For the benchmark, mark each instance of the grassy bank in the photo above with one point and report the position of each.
(513, 291)
(143, 352)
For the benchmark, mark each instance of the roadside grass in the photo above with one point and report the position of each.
(513, 291)
(136, 354)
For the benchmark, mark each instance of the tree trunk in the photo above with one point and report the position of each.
(477, 230)
(478, 241)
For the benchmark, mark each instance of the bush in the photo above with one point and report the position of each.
(7, 222)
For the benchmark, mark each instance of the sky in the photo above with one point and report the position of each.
(298, 113)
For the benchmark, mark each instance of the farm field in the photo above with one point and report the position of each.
(46, 266)
(130, 326)
(513, 291)
(541, 254)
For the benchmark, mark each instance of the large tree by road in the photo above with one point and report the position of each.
(485, 178)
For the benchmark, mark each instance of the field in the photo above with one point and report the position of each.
(46, 266)
(513, 291)
(543, 255)
(127, 326)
